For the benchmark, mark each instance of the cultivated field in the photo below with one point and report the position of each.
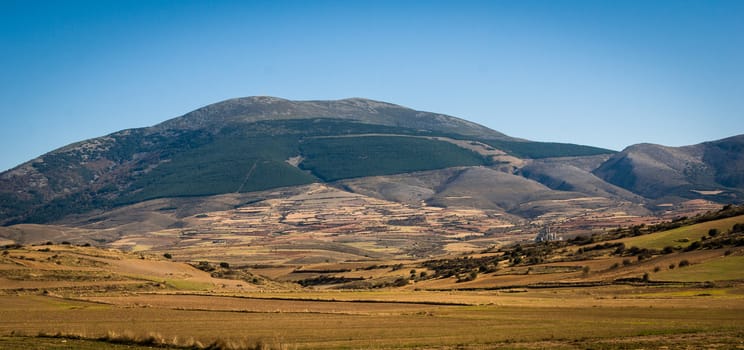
(586, 293)
(606, 317)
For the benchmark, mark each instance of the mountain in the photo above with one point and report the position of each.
(257, 143)
(713, 170)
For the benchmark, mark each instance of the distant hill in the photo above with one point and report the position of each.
(380, 149)
(252, 144)
(712, 169)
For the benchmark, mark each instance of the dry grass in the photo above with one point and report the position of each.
(183, 311)
(602, 314)
(153, 339)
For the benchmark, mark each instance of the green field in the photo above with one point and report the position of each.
(722, 269)
(681, 237)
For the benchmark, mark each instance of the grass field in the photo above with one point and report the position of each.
(544, 322)
(681, 237)
(724, 268)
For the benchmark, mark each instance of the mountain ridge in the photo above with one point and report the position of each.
(259, 143)
(657, 171)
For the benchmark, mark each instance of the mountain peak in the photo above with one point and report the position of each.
(253, 109)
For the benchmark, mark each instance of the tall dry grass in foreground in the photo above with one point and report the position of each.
(154, 339)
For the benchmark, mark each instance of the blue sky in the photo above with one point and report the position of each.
(602, 73)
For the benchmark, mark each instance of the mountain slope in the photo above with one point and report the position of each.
(250, 144)
(710, 170)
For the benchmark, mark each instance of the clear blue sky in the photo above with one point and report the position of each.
(602, 73)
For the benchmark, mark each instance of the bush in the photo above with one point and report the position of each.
(517, 260)
(167, 256)
(400, 282)
(657, 269)
(738, 227)
(683, 263)
(694, 246)
(224, 265)
(713, 232)
(627, 262)
(468, 277)
(672, 266)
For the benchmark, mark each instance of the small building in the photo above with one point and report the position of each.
(547, 235)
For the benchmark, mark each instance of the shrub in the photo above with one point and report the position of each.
(620, 249)
(726, 253)
(517, 260)
(738, 227)
(713, 232)
(627, 262)
(668, 250)
(657, 269)
(683, 263)
(167, 256)
(468, 277)
(694, 246)
(400, 282)
(224, 265)
(672, 266)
